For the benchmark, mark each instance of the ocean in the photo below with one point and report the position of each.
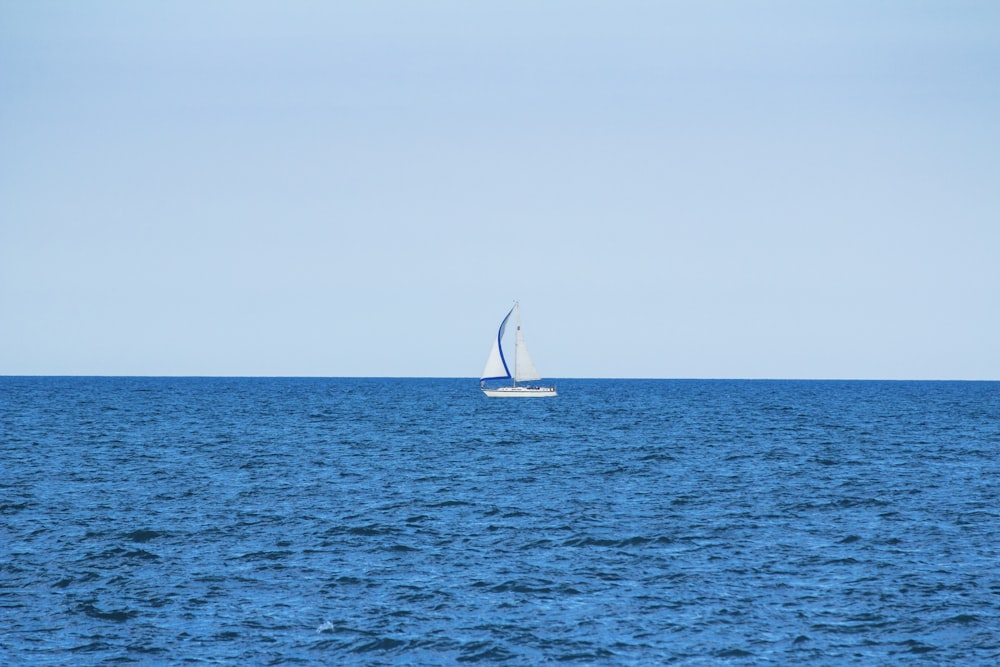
(263, 521)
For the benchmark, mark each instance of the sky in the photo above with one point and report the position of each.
(703, 189)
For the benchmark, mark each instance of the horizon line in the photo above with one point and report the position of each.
(474, 379)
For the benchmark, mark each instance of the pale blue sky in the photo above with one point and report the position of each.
(732, 189)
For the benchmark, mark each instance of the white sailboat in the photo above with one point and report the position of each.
(524, 370)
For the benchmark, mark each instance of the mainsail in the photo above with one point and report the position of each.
(524, 370)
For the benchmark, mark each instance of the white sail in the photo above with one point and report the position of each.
(524, 369)
(496, 365)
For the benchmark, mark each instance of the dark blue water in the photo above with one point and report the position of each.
(371, 521)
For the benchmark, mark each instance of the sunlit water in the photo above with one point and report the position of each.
(376, 521)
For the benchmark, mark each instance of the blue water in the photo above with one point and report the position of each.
(376, 521)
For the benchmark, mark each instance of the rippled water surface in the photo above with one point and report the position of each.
(377, 521)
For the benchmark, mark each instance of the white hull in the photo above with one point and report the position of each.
(520, 392)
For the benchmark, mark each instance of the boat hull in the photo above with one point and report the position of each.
(520, 392)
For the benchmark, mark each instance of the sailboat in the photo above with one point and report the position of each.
(524, 370)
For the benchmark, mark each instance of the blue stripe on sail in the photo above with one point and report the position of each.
(503, 326)
(503, 359)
